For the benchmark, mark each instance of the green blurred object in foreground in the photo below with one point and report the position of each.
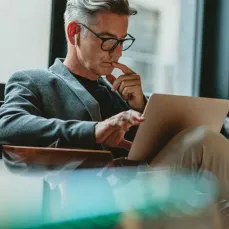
(91, 199)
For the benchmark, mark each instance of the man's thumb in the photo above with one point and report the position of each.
(125, 144)
(111, 78)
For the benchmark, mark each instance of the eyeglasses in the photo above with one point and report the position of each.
(109, 44)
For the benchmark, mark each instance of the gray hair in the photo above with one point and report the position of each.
(84, 11)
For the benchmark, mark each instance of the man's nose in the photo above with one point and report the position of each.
(118, 51)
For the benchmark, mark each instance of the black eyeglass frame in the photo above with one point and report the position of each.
(117, 40)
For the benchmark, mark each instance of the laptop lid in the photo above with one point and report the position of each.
(167, 115)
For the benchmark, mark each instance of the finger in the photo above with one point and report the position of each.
(125, 97)
(123, 121)
(131, 116)
(115, 138)
(129, 92)
(106, 130)
(124, 144)
(129, 83)
(120, 79)
(123, 67)
(118, 123)
(136, 116)
(111, 78)
(124, 124)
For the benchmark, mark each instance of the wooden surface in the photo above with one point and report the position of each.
(56, 156)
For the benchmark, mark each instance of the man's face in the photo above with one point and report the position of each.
(90, 54)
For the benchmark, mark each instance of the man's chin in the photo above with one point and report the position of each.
(106, 71)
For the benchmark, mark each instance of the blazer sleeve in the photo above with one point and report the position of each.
(21, 121)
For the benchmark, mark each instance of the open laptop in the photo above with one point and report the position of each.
(167, 115)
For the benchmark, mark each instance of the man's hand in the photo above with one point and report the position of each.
(111, 131)
(129, 87)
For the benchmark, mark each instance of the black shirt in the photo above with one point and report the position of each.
(103, 95)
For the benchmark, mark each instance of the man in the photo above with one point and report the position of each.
(46, 105)
(71, 103)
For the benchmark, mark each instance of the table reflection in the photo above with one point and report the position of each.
(128, 197)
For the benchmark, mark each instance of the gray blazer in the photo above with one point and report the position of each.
(42, 106)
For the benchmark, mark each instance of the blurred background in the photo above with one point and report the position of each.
(182, 46)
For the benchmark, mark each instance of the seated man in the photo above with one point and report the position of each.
(71, 102)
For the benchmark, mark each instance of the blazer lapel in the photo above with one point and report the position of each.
(86, 98)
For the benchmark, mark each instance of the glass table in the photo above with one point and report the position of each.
(106, 198)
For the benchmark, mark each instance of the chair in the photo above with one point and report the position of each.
(17, 157)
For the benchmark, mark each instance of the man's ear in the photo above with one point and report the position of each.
(73, 31)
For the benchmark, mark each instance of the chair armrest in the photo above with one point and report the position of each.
(55, 157)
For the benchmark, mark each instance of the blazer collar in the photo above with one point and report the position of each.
(92, 106)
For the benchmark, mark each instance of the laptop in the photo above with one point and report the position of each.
(167, 115)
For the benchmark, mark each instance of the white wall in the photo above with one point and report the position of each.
(24, 35)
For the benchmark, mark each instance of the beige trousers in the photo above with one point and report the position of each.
(200, 149)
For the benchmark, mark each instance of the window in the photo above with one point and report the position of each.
(163, 53)
(25, 35)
